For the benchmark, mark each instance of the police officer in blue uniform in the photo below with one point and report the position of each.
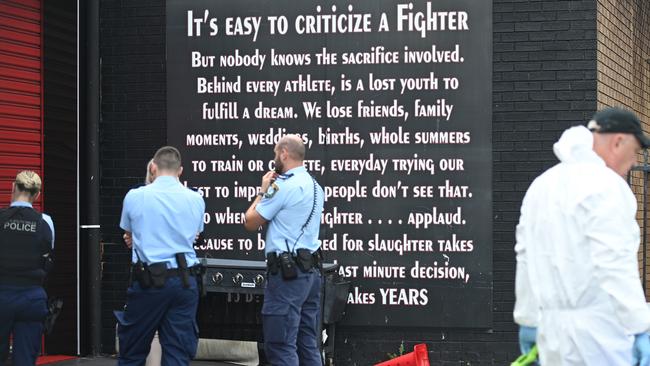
(26, 245)
(163, 219)
(291, 201)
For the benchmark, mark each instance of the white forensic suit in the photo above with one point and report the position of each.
(577, 273)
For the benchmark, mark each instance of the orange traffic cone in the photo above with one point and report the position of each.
(419, 357)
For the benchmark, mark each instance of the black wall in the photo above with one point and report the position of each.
(544, 81)
(132, 127)
(60, 151)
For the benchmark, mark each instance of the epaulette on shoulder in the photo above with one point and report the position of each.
(285, 176)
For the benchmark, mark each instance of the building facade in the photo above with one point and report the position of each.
(553, 64)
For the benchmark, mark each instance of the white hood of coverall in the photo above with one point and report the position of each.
(577, 277)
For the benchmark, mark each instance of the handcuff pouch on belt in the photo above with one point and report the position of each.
(272, 263)
(306, 260)
(158, 274)
(140, 273)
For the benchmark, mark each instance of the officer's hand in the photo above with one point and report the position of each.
(267, 179)
(527, 338)
(128, 239)
(642, 349)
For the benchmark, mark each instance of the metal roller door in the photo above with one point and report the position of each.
(21, 95)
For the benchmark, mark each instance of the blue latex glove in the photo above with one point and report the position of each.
(642, 349)
(528, 338)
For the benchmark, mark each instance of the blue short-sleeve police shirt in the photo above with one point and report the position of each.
(289, 208)
(164, 218)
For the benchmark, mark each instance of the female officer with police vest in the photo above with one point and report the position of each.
(26, 244)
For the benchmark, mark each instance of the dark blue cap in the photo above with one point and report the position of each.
(618, 120)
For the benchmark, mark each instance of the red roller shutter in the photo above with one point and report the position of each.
(21, 93)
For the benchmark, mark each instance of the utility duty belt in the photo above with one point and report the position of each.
(286, 263)
(156, 274)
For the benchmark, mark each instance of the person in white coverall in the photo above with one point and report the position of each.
(578, 292)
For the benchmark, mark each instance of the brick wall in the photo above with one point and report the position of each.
(132, 127)
(544, 81)
(624, 78)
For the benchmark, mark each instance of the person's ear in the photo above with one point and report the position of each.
(615, 141)
(36, 196)
(180, 171)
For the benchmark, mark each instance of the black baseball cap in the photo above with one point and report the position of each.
(618, 120)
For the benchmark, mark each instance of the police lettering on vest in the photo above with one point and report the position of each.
(25, 246)
(20, 225)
